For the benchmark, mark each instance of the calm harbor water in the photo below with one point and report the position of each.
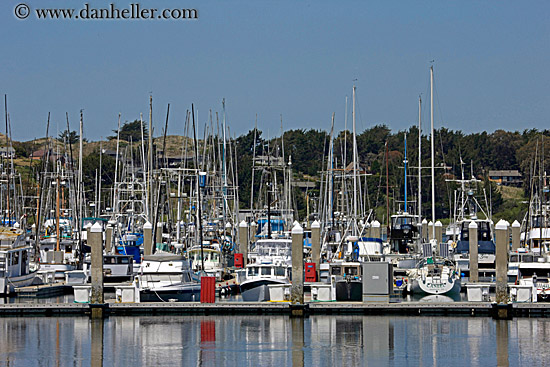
(273, 341)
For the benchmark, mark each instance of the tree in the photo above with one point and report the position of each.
(131, 131)
(71, 137)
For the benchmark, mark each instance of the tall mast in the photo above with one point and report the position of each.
(114, 204)
(432, 145)
(150, 168)
(199, 214)
(100, 169)
(354, 165)
(56, 211)
(80, 183)
(405, 162)
(419, 159)
(253, 163)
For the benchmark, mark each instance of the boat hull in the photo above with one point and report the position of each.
(8, 284)
(189, 293)
(258, 290)
(349, 291)
(429, 286)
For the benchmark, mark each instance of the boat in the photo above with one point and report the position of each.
(346, 279)
(212, 263)
(255, 283)
(14, 260)
(166, 278)
(435, 275)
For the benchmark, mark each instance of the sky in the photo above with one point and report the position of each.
(298, 59)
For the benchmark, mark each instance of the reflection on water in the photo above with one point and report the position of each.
(273, 341)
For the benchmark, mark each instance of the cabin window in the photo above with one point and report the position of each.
(215, 257)
(124, 260)
(266, 271)
(253, 271)
(280, 271)
(514, 258)
(351, 271)
(336, 270)
(15, 258)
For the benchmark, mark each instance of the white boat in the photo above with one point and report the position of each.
(271, 251)
(212, 260)
(167, 278)
(14, 260)
(435, 275)
(254, 284)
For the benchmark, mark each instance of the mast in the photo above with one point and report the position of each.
(8, 171)
(199, 214)
(253, 163)
(405, 162)
(387, 191)
(432, 145)
(354, 165)
(419, 159)
(56, 211)
(116, 163)
(80, 182)
(150, 168)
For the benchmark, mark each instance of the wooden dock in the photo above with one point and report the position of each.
(279, 308)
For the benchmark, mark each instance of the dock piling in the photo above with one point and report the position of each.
(375, 229)
(472, 238)
(147, 238)
(158, 234)
(96, 243)
(109, 238)
(438, 232)
(424, 230)
(515, 235)
(297, 289)
(243, 241)
(316, 245)
(501, 235)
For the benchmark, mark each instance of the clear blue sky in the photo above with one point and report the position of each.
(298, 59)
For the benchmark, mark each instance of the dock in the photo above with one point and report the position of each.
(484, 309)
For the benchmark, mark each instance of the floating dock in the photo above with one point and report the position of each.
(278, 308)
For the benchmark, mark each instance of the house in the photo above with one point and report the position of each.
(7, 152)
(506, 177)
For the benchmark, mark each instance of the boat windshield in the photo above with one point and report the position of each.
(266, 270)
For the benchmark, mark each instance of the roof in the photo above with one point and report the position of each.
(513, 173)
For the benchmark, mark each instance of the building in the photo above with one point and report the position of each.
(506, 177)
(7, 152)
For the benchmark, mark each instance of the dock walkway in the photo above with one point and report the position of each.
(278, 308)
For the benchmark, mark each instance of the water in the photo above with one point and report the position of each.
(273, 341)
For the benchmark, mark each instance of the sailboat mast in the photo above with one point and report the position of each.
(116, 164)
(405, 162)
(419, 159)
(199, 214)
(354, 164)
(432, 145)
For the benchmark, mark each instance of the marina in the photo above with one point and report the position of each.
(280, 183)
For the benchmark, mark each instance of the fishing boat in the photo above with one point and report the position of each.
(435, 275)
(257, 278)
(207, 258)
(167, 278)
(14, 260)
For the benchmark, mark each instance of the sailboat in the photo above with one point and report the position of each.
(434, 274)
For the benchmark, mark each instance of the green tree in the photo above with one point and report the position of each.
(131, 131)
(71, 137)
